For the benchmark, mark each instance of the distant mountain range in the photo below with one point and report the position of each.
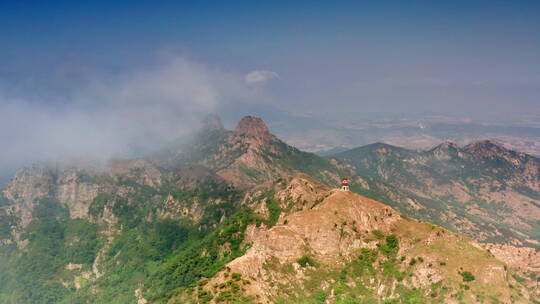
(482, 189)
(242, 217)
(323, 132)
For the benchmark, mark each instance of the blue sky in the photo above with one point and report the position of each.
(80, 75)
(428, 53)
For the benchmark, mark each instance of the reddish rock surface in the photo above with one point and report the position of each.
(253, 126)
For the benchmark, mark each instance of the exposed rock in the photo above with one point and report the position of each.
(142, 170)
(333, 231)
(446, 150)
(483, 183)
(520, 257)
(72, 266)
(74, 193)
(139, 296)
(330, 226)
(305, 190)
(253, 126)
(525, 261)
(30, 185)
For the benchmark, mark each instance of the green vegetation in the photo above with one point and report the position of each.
(54, 240)
(390, 247)
(378, 234)
(306, 260)
(98, 204)
(201, 259)
(6, 221)
(357, 281)
(274, 211)
(467, 276)
(393, 181)
(171, 254)
(165, 255)
(518, 278)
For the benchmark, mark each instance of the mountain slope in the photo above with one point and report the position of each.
(91, 232)
(248, 156)
(152, 230)
(346, 248)
(482, 189)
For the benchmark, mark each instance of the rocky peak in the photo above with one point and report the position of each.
(487, 149)
(447, 145)
(484, 144)
(253, 126)
(212, 122)
(445, 150)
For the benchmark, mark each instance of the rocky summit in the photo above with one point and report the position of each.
(242, 217)
(253, 126)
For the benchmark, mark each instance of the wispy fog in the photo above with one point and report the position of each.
(116, 115)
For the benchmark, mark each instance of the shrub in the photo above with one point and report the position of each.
(274, 211)
(518, 278)
(467, 276)
(392, 241)
(378, 234)
(390, 247)
(321, 296)
(306, 260)
(343, 275)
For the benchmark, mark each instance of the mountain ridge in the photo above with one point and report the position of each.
(483, 181)
(286, 261)
(154, 229)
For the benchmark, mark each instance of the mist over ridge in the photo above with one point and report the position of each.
(118, 115)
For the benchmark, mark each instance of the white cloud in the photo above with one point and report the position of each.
(261, 76)
(115, 115)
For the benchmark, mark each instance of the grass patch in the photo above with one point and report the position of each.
(306, 260)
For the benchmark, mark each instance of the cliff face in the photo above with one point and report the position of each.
(25, 189)
(36, 183)
(91, 194)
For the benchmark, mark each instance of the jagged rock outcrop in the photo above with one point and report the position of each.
(253, 126)
(246, 157)
(75, 191)
(142, 171)
(36, 183)
(28, 187)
